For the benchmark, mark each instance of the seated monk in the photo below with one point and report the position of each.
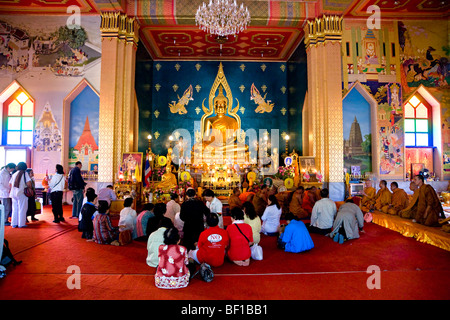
(369, 194)
(429, 208)
(283, 200)
(233, 200)
(309, 199)
(410, 211)
(399, 199)
(384, 197)
(246, 196)
(296, 202)
(260, 200)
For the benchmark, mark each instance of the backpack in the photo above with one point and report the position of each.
(7, 257)
(206, 272)
(71, 182)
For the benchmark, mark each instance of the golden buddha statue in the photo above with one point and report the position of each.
(168, 179)
(224, 125)
(221, 136)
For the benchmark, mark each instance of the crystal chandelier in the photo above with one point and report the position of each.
(222, 17)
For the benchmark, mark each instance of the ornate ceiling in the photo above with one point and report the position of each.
(168, 31)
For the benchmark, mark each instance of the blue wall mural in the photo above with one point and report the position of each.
(83, 133)
(297, 87)
(170, 80)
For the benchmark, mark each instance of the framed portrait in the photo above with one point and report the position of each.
(307, 164)
(132, 161)
(356, 170)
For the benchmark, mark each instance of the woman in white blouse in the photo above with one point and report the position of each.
(57, 184)
(19, 180)
(271, 217)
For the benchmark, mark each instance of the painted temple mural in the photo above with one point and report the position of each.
(48, 59)
(26, 45)
(47, 135)
(357, 134)
(391, 63)
(391, 132)
(369, 54)
(424, 52)
(84, 127)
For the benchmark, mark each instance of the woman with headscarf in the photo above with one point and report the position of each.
(19, 181)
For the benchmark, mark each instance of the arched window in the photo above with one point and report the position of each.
(418, 122)
(18, 120)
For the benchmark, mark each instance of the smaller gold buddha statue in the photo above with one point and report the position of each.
(168, 179)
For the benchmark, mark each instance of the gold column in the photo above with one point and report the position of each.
(129, 97)
(117, 95)
(324, 106)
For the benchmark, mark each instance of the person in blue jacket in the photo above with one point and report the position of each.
(295, 237)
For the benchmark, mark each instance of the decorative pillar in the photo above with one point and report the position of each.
(324, 106)
(117, 95)
(131, 114)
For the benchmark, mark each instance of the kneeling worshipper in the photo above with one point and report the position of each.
(241, 238)
(87, 213)
(369, 196)
(140, 231)
(323, 214)
(172, 271)
(399, 199)
(429, 208)
(384, 197)
(410, 211)
(127, 222)
(295, 237)
(349, 221)
(156, 239)
(104, 232)
(212, 244)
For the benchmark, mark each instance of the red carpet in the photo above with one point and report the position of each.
(409, 269)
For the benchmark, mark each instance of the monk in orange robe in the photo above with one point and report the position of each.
(399, 199)
(410, 211)
(369, 195)
(283, 200)
(233, 200)
(384, 197)
(260, 200)
(246, 196)
(429, 208)
(296, 202)
(309, 199)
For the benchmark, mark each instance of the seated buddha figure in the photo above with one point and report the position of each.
(220, 131)
(168, 179)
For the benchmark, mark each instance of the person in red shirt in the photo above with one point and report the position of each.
(241, 238)
(212, 244)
